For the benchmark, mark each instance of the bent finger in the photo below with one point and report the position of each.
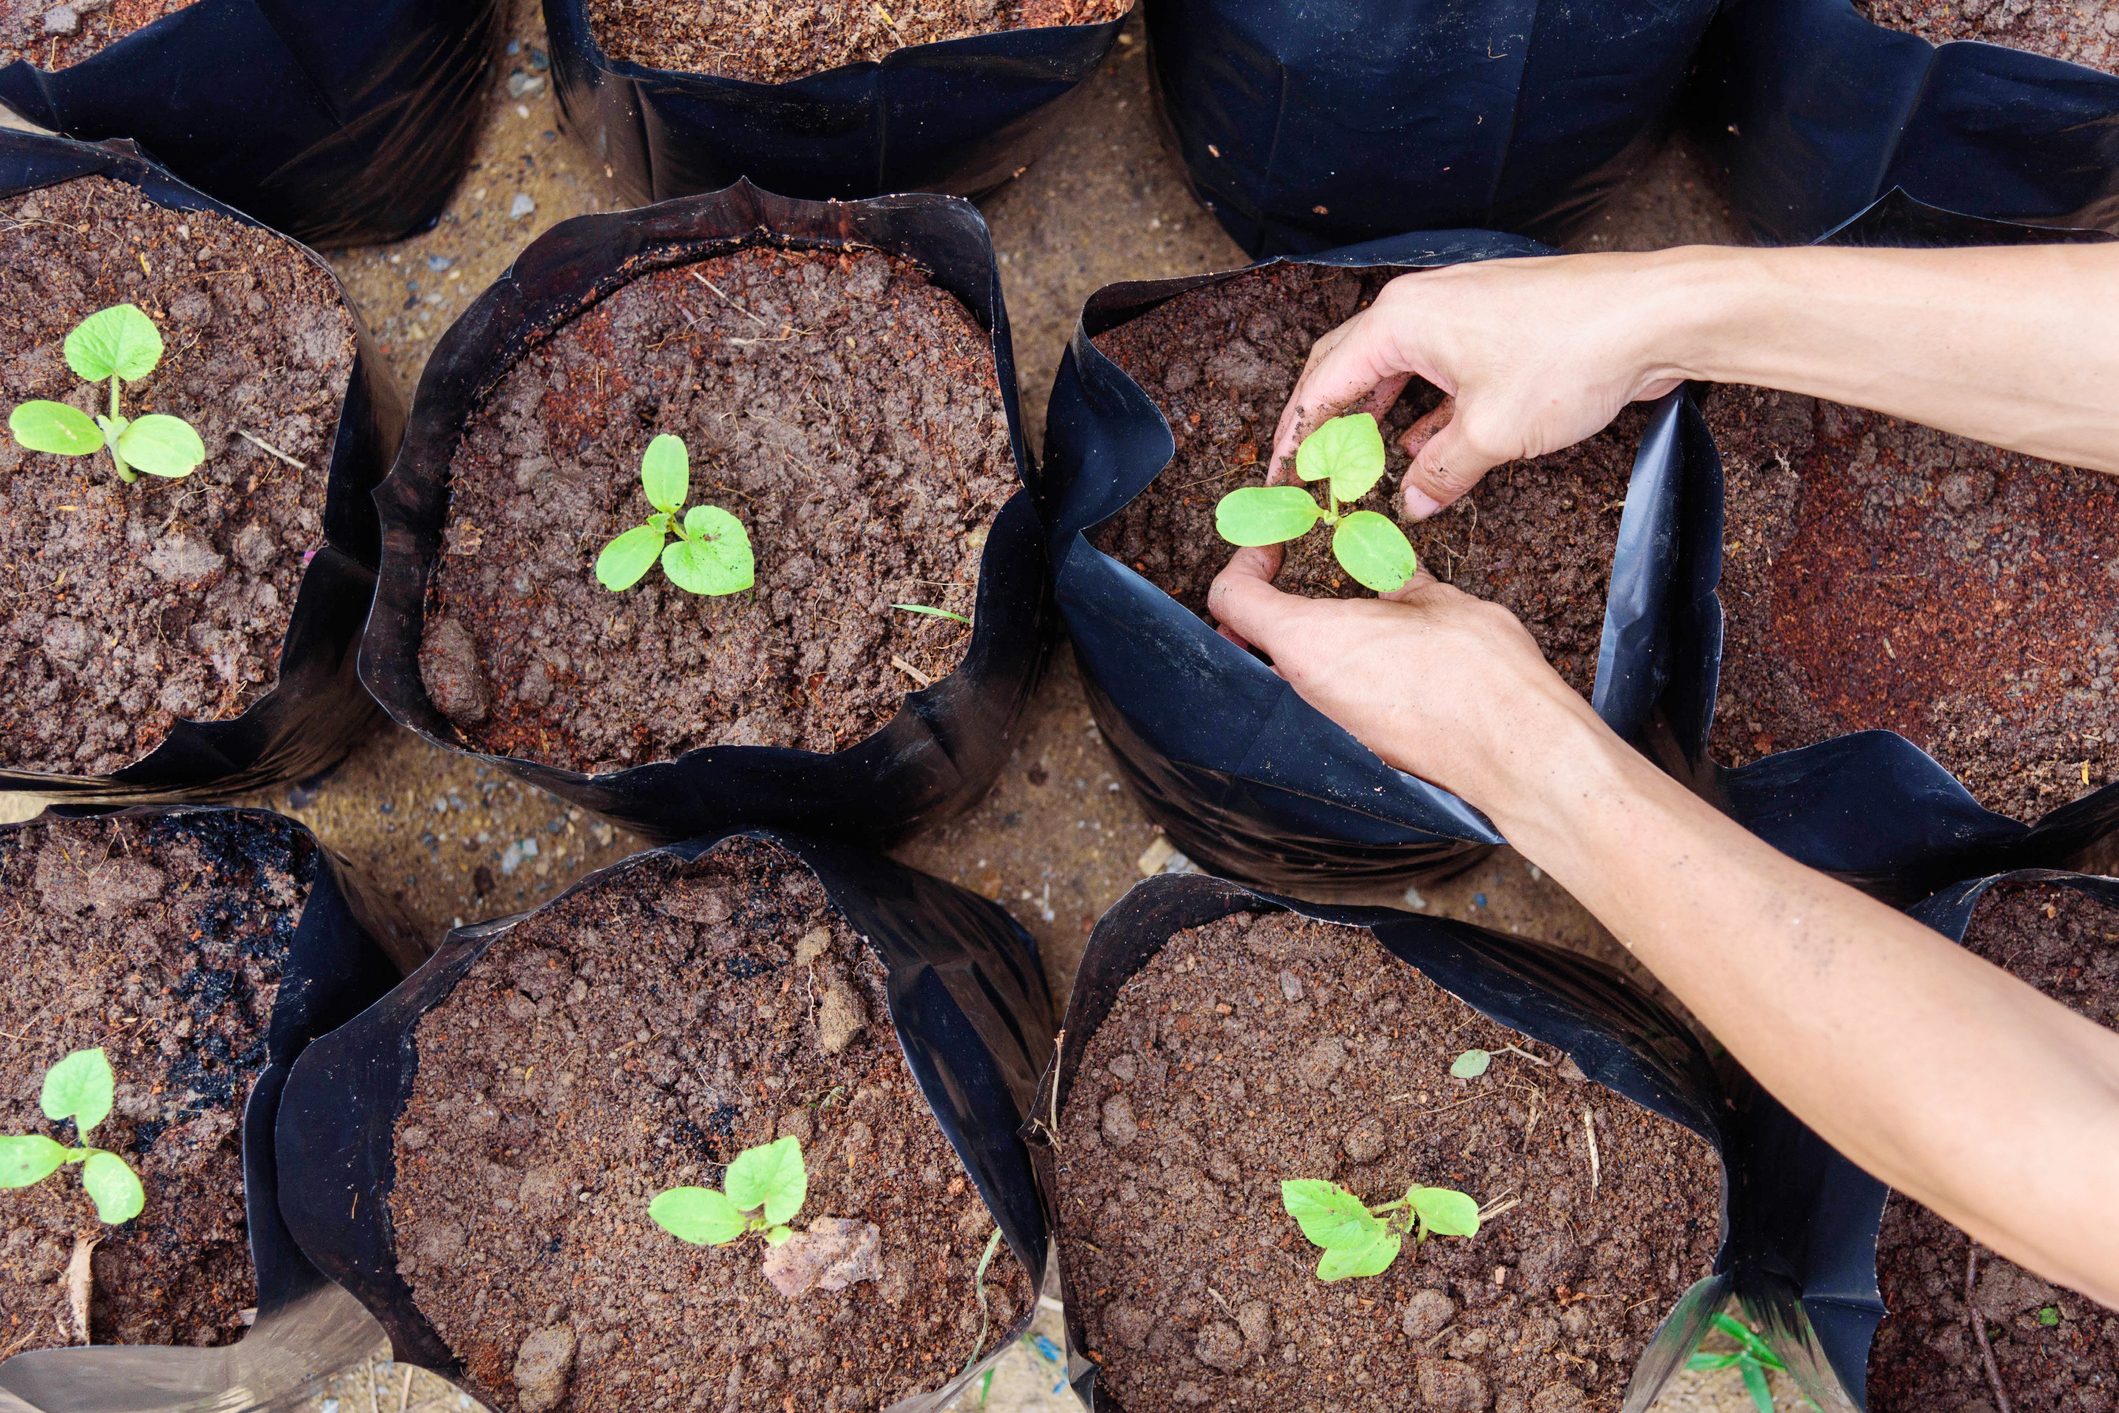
(1446, 465)
(1354, 371)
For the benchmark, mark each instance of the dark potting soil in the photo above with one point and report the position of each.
(638, 1036)
(1880, 574)
(161, 941)
(126, 607)
(765, 41)
(1261, 1048)
(2080, 31)
(55, 33)
(2055, 1351)
(847, 410)
(1220, 362)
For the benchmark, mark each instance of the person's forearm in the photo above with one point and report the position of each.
(2016, 346)
(1943, 1076)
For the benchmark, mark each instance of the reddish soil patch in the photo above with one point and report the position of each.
(1220, 362)
(1260, 1048)
(768, 42)
(636, 1037)
(55, 33)
(1883, 575)
(2081, 31)
(2056, 1351)
(126, 607)
(846, 409)
(161, 941)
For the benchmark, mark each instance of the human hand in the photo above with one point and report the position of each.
(1438, 683)
(1532, 354)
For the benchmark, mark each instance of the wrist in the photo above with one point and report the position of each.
(1690, 310)
(1566, 787)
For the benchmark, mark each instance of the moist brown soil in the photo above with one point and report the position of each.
(1880, 574)
(846, 409)
(1220, 362)
(1261, 1048)
(55, 33)
(126, 607)
(161, 941)
(2081, 31)
(636, 1037)
(1926, 1356)
(766, 41)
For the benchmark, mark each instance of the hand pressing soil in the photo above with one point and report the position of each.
(53, 34)
(2080, 31)
(126, 607)
(2053, 1351)
(1220, 361)
(768, 42)
(162, 941)
(1883, 575)
(840, 405)
(636, 1037)
(1259, 1048)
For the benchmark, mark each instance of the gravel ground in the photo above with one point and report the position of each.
(1057, 841)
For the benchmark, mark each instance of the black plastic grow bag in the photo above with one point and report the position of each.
(967, 997)
(1308, 124)
(1241, 773)
(945, 745)
(961, 116)
(338, 123)
(1787, 1248)
(348, 949)
(1870, 806)
(1816, 112)
(316, 710)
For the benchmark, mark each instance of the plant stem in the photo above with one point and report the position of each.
(124, 472)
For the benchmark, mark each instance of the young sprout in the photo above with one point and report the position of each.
(1751, 1359)
(1360, 1240)
(1346, 454)
(122, 344)
(761, 1191)
(80, 1087)
(933, 612)
(712, 553)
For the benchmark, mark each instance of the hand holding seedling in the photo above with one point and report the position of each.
(1360, 1240)
(761, 1192)
(122, 344)
(712, 553)
(80, 1087)
(1346, 454)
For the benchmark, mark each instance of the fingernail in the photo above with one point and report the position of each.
(1419, 504)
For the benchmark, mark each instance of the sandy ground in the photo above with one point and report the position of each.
(1057, 840)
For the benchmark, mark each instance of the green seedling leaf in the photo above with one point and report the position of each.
(55, 428)
(1742, 1333)
(1755, 1384)
(771, 1176)
(1374, 550)
(699, 1215)
(1369, 1258)
(629, 556)
(2049, 1316)
(1347, 451)
(666, 473)
(1328, 1214)
(1266, 515)
(80, 1087)
(113, 1186)
(1446, 1211)
(933, 612)
(120, 340)
(1708, 1363)
(161, 446)
(715, 558)
(1471, 1064)
(28, 1159)
(778, 1236)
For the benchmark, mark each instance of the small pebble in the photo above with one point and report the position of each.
(521, 206)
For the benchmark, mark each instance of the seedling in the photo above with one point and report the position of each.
(80, 1087)
(761, 1192)
(1751, 1359)
(932, 612)
(711, 554)
(1346, 454)
(1360, 1240)
(122, 344)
